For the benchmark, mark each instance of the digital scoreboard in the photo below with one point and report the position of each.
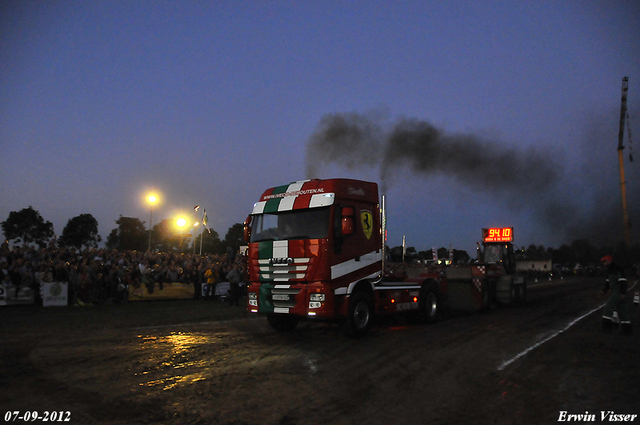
(497, 234)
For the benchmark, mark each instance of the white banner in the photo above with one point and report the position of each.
(221, 289)
(54, 293)
(10, 295)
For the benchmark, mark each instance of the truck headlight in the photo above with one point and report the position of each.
(316, 300)
(316, 297)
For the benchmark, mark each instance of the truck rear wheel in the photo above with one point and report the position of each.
(505, 290)
(282, 323)
(360, 315)
(430, 306)
(486, 296)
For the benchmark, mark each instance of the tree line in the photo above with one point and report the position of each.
(29, 227)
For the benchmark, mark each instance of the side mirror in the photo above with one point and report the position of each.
(348, 227)
(247, 229)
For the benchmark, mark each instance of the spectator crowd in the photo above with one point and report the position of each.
(99, 275)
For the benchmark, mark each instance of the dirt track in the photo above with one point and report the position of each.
(186, 362)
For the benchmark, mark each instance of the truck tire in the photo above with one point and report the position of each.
(486, 296)
(429, 305)
(360, 315)
(282, 323)
(522, 293)
(505, 290)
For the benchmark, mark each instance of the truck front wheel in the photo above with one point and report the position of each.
(360, 315)
(282, 323)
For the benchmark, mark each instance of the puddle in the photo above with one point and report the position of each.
(181, 357)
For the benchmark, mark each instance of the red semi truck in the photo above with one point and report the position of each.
(316, 250)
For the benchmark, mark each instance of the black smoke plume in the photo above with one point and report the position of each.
(355, 140)
(531, 178)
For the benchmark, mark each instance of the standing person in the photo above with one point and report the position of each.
(84, 286)
(60, 272)
(74, 284)
(191, 277)
(116, 288)
(234, 277)
(211, 276)
(617, 284)
(201, 281)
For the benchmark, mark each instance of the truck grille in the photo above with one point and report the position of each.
(271, 271)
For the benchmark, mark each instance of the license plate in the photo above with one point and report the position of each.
(280, 297)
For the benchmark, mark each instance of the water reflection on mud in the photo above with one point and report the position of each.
(176, 359)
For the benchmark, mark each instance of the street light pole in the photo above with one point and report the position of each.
(195, 224)
(152, 200)
(195, 228)
(201, 235)
(150, 222)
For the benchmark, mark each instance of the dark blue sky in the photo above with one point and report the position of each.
(209, 103)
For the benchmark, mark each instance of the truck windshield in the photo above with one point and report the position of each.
(311, 223)
(492, 253)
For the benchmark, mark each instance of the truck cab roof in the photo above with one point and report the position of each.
(315, 193)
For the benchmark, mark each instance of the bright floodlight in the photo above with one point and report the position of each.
(181, 222)
(152, 199)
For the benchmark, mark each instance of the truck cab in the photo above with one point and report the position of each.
(310, 243)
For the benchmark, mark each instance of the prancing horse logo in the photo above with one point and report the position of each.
(367, 222)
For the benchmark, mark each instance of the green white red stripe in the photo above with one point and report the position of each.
(297, 195)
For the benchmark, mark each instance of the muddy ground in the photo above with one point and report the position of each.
(199, 362)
